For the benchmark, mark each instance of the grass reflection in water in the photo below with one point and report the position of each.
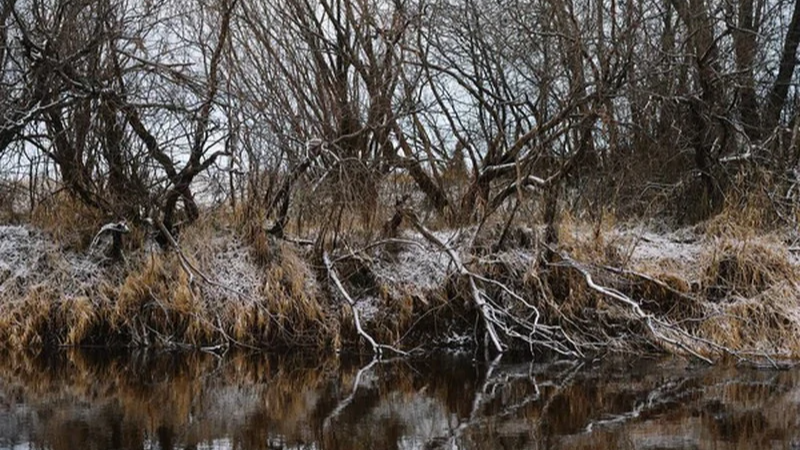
(244, 401)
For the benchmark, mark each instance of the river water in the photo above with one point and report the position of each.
(96, 400)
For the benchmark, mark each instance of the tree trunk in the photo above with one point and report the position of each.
(694, 13)
(777, 97)
(744, 42)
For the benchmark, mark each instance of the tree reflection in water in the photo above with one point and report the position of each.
(97, 400)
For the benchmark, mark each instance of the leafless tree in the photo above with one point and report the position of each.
(125, 94)
(476, 103)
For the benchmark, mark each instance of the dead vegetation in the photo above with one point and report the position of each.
(718, 290)
(427, 181)
(154, 301)
(576, 286)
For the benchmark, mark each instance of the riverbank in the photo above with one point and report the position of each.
(710, 291)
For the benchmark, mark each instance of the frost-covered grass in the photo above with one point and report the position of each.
(234, 269)
(731, 286)
(29, 260)
(737, 290)
(419, 267)
(220, 294)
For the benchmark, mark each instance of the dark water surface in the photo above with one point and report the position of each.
(82, 400)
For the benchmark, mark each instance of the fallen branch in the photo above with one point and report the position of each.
(376, 347)
(675, 328)
(648, 319)
(651, 279)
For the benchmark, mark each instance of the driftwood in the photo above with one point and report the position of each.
(651, 321)
(478, 297)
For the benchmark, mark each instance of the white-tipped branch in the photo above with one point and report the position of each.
(648, 319)
(376, 347)
(477, 294)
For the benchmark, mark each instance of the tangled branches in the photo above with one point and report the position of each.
(500, 320)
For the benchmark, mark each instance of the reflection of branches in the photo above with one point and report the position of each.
(497, 379)
(349, 399)
(664, 394)
(566, 378)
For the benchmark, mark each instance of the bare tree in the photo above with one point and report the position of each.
(114, 98)
(331, 92)
(474, 102)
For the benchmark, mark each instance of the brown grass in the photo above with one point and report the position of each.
(152, 302)
(67, 220)
(271, 296)
(740, 292)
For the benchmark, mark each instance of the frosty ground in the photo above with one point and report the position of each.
(705, 291)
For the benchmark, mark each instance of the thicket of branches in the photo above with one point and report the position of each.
(151, 109)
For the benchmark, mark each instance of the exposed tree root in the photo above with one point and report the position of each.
(499, 319)
(663, 331)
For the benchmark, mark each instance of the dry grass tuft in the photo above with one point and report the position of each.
(767, 323)
(750, 208)
(83, 317)
(70, 222)
(156, 305)
(745, 269)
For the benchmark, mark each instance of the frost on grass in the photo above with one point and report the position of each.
(368, 307)
(666, 247)
(678, 252)
(21, 251)
(235, 273)
(28, 259)
(419, 267)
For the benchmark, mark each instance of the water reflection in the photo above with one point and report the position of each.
(91, 400)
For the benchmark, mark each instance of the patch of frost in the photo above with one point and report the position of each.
(679, 250)
(653, 246)
(233, 269)
(421, 266)
(28, 258)
(368, 307)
